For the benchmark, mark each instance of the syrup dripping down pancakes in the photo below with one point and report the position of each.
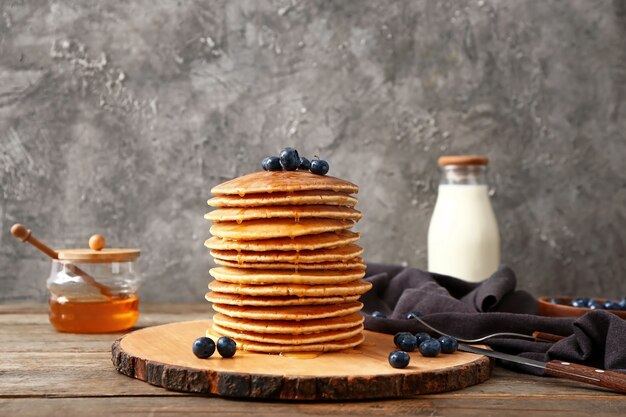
(289, 271)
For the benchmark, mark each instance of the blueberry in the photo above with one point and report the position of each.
(581, 302)
(448, 344)
(319, 167)
(413, 314)
(398, 336)
(422, 337)
(430, 348)
(407, 343)
(226, 347)
(304, 163)
(594, 305)
(378, 314)
(611, 305)
(203, 347)
(399, 359)
(554, 300)
(289, 159)
(272, 163)
(622, 303)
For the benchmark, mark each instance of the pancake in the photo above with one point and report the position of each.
(288, 339)
(278, 276)
(271, 228)
(296, 313)
(312, 242)
(247, 300)
(313, 347)
(356, 264)
(232, 214)
(284, 199)
(341, 253)
(283, 327)
(291, 290)
(283, 181)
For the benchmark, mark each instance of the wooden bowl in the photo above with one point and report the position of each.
(546, 308)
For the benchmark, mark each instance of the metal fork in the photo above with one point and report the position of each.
(536, 336)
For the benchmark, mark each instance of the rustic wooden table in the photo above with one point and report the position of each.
(43, 372)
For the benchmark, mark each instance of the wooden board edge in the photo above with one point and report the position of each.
(306, 388)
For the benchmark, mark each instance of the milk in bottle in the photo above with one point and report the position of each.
(463, 237)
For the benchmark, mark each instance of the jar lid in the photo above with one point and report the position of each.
(463, 160)
(97, 254)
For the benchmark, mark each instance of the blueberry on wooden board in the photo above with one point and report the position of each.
(448, 344)
(422, 337)
(398, 336)
(407, 343)
(399, 359)
(430, 348)
(226, 347)
(203, 347)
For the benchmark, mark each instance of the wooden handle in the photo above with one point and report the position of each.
(547, 337)
(25, 235)
(606, 379)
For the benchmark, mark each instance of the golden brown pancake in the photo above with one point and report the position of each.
(289, 339)
(341, 253)
(232, 214)
(247, 300)
(290, 290)
(333, 346)
(273, 228)
(284, 199)
(296, 313)
(311, 242)
(355, 264)
(277, 276)
(274, 327)
(283, 181)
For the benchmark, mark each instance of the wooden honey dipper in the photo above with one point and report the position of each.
(96, 242)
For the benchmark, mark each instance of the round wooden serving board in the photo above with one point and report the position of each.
(162, 356)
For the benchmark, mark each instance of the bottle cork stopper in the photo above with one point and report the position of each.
(97, 242)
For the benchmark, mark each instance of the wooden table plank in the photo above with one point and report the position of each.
(44, 372)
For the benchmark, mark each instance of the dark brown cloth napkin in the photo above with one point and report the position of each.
(472, 310)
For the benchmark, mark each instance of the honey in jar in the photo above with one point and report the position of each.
(94, 290)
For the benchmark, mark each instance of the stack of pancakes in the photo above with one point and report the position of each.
(289, 274)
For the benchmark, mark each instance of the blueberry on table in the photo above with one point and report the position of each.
(378, 314)
(272, 163)
(319, 167)
(422, 337)
(203, 347)
(289, 159)
(226, 347)
(430, 348)
(407, 343)
(399, 359)
(413, 314)
(611, 305)
(622, 303)
(594, 305)
(304, 163)
(448, 344)
(398, 336)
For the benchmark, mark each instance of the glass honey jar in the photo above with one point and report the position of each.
(94, 290)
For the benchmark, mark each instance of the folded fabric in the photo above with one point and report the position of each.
(472, 310)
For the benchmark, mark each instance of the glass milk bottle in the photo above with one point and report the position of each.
(463, 237)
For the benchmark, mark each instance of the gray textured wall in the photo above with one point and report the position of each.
(117, 117)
